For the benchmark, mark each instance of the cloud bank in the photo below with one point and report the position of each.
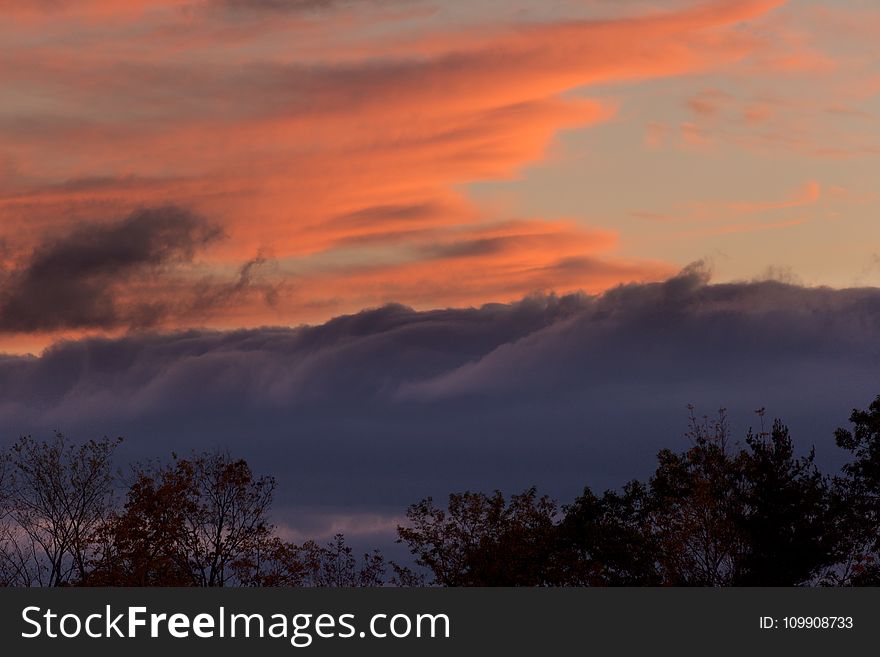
(368, 412)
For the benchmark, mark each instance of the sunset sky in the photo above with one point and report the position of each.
(391, 248)
(237, 163)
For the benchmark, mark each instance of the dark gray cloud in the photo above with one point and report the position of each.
(366, 413)
(122, 274)
(73, 281)
(210, 294)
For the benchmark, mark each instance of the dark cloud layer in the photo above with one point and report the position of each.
(369, 412)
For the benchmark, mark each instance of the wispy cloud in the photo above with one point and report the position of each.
(725, 217)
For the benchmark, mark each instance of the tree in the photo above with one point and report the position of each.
(607, 540)
(230, 520)
(482, 540)
(201, 521)
(695, 499)
(757, 515)
(311, 564)
(334, 565)
(786, 520)
(58, 495)
(276, 563)
(856, 500)
(144, 545)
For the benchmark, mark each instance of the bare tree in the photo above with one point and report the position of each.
(334, 565)
(57, 495)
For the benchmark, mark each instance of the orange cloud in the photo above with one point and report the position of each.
(349, 170)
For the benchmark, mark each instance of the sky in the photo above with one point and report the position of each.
(335, 155)
(504, 237)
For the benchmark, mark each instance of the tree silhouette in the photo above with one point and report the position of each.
(482, 540)
(856, 499)
(715, 514)
(607, 540)
(200, 521)
(311, 564)
(695, 498)
(786, 523)
(146, 543)
(56, 497)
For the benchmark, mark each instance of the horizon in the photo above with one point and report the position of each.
(702, 269)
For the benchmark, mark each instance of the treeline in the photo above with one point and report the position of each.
(720, 513)
(198, 521)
